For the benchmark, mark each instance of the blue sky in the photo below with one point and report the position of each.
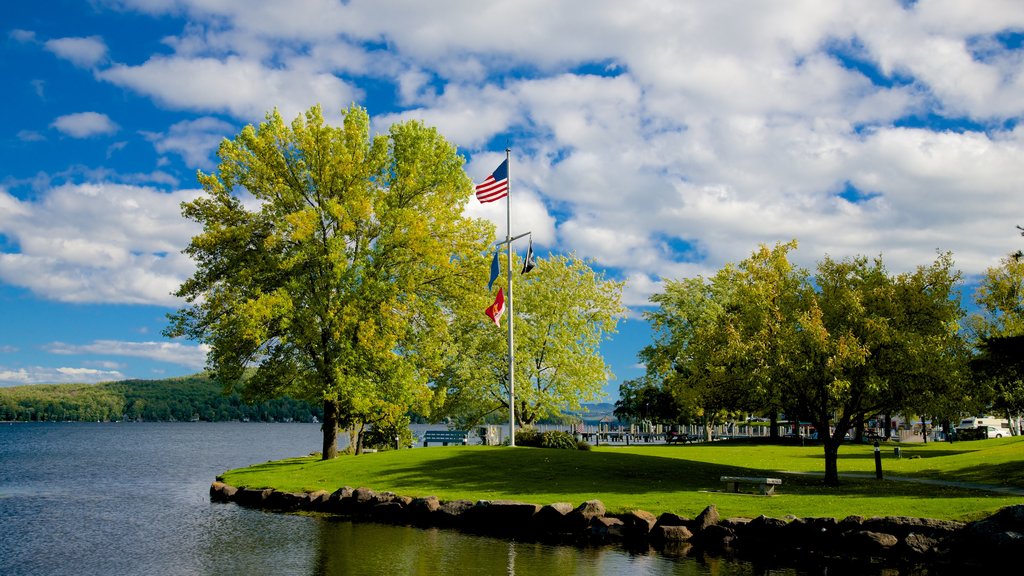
(660, 139)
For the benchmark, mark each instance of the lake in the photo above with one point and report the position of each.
(133, 498)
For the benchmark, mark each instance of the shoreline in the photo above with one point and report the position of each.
(896, 541)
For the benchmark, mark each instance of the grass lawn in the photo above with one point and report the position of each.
(680, 479)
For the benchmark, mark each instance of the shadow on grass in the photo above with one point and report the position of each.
(526, 472)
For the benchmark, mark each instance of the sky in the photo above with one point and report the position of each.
(659, 139)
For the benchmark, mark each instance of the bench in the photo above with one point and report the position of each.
(445, 436)
(684, 438)
(766, 486)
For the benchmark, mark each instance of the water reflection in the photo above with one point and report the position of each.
(345, 548)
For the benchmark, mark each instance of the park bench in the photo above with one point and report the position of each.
(684, 438)
(445, 436)
(766, 486)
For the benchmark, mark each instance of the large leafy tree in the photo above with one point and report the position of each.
(330, 264)
(870, 342)
(694, 353)
(563, 310)
(999, 331)
(854, 341)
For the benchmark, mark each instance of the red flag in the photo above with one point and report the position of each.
(494, 311)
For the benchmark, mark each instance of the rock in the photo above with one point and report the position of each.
(450, 512)
(716, 538)
(670, 519)
(669, 533)
(579, 519)
(637, 524)
(868, 544)
(550, 520)
(363, 499)
(340, 501)
(252, 497)
(921, 545)
(391, 512)
(500, 517)
(707, 518)
(604, 528)
(421, 510)
(221, 492)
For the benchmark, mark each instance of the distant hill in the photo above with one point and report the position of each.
(191, 398)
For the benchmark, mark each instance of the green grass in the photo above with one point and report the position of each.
(680, 479)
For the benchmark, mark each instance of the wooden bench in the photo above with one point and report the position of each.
(766, 486)
(445, 436)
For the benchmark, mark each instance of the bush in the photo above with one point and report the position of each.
(555, 439)
(552, 439)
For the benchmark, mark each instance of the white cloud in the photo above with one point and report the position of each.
(62, 375)
(82, 52)
(109, 243)
(247, 89)
(191, 356)
(658, 138)
(85, 124)
(194, 140)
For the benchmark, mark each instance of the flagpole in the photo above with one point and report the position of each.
(511, 315)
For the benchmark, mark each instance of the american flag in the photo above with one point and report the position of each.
(495, 187)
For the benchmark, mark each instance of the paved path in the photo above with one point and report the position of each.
(1012, 490)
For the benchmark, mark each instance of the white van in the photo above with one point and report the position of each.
(993, 427)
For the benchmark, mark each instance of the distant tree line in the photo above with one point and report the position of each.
(171, 400)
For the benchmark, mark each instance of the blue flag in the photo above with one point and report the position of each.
(495, 270)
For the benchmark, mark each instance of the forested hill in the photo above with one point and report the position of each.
(176, 399)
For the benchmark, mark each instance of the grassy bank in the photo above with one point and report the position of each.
(680, 479)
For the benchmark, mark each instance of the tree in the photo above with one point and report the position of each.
(998, 329)
(336, 282)
(694, 353)
(564, 311)
(870, 342)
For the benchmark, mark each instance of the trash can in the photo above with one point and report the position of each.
(896, 451)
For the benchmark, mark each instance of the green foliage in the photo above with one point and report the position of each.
(850, 342)
(339, 283)
(529, 436)
(177, 399)
(382, 435)
(564, 310)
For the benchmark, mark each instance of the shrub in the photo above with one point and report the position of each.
(556, 439)
(528, 436)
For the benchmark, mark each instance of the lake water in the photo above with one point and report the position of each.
(133, 498)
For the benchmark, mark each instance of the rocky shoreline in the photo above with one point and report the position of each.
(895, 540)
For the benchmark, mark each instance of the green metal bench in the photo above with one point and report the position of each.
(445, 436)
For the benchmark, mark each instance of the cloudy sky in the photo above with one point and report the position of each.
(659, 138)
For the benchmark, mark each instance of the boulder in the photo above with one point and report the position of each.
(550, 520)
(669, 533)
(868, 544)
(704, 520)
(605, 528)
(252, 497)
(500, 517)
(637, 524)
(578, 521)
(670, 519)
(221, 492)
(391, 512)
(421, 510)
(449, 514)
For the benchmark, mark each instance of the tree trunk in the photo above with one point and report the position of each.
(359, 438)
(773, 428)
(330, 429)
(831, 460)
(924, 431)
(888, 426)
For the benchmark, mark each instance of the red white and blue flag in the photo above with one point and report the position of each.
(495, 187)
